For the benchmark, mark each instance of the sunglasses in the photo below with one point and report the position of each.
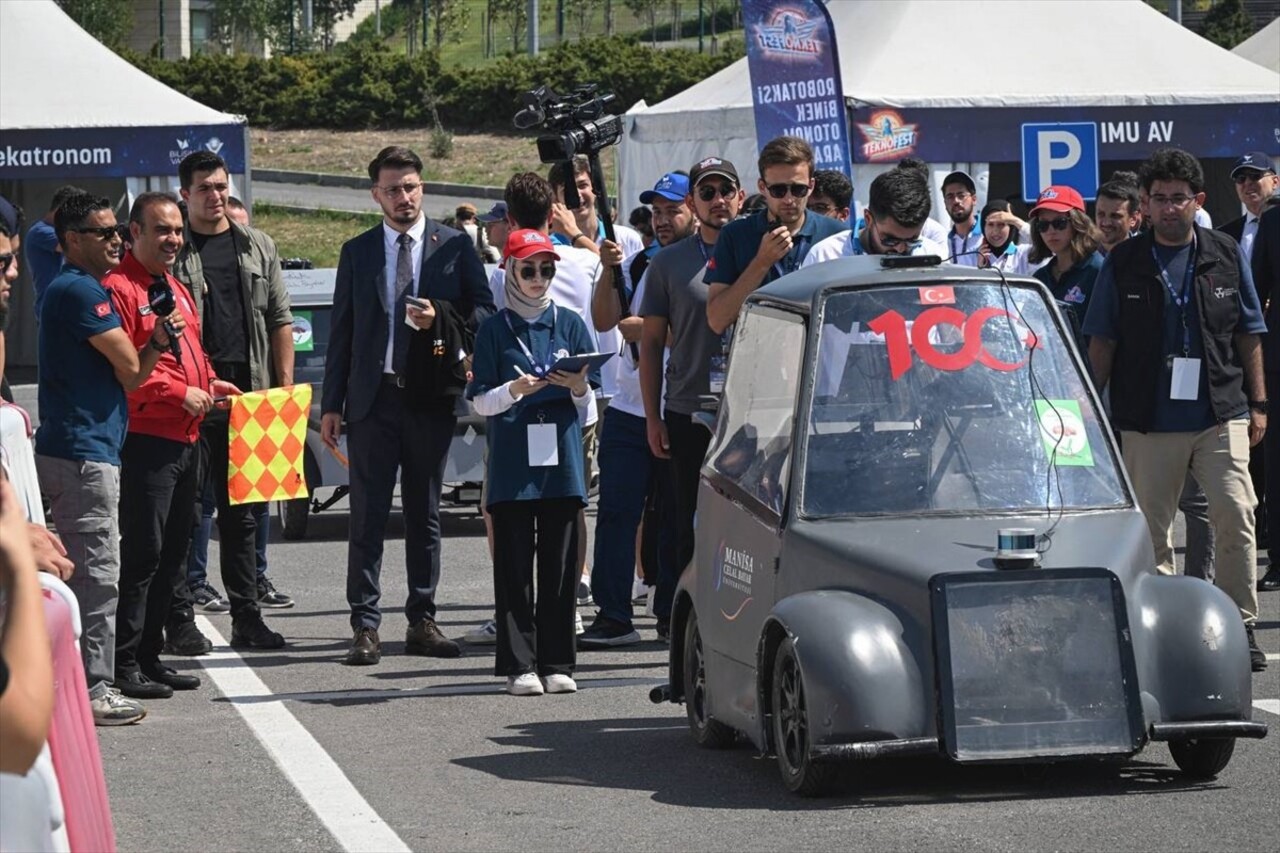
(5, 260)
(780, 190)
(1062, 223)
(529, 272)
(1247, 176)
(106, 232)
(708, 192)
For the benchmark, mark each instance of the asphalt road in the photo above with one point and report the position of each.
(432, 754)
(342, 198)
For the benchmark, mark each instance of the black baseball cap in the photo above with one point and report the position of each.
(960, 178)
(712, 166)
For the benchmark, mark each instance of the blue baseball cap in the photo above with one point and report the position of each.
(1256, 160)
(497, 213)
(672, 186)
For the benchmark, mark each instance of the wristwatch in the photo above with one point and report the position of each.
(151, 342)
(1259, 406)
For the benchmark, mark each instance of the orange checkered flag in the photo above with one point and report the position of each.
(266, 438)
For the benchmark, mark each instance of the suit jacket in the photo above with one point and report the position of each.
(450, 272)
(1233, 229)
(1266, 279)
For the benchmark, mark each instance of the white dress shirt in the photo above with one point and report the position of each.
(391, 247)
(1247, 236)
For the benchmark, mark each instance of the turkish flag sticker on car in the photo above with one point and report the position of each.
(937, 296)
(102, 309)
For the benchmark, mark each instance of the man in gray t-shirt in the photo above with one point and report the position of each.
(675, 303)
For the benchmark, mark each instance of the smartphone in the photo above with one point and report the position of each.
(420, 304)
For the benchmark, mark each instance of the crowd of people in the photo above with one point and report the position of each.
(590, 348)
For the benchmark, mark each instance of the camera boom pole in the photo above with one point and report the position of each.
(606, 217)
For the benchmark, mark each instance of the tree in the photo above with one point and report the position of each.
(238, 24)
(515, 13)
(581, 12)
(1227, 24)
(449, 19)
(109, 21)
(649, 10)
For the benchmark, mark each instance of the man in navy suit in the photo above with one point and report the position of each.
(1266, 278)
(372, 367)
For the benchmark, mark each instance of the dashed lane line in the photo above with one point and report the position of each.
(1271, 706)
(316, 776)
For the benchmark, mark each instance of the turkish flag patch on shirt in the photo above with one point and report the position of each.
(102, 309)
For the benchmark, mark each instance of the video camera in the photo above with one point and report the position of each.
(578, 119)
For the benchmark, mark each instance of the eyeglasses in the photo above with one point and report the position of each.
(780, 190)
(1178, 201)
(1247, 176)
(821, 207)
(1061, 223)
(398, 190)
(960, 196)
(105, 232)
(5, 260)
(529, 272)
(891, 242)
(708, 192)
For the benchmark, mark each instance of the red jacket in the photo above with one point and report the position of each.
(155, 408)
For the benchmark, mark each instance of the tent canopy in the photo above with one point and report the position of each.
(915, 54)
(1263, 47)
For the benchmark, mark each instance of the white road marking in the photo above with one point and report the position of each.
(1271, 706)
(1273, 656)
(316, 776)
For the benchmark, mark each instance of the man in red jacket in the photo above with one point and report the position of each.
(160, 460)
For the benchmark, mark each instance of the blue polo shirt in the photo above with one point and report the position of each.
(556, 333)
(739, 242)
(83, 410)
(43, 259)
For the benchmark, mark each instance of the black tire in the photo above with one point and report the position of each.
(294, 516)
(707, 733)
(791, 742)
(1204, 758)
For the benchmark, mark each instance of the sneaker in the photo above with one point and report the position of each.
(577, 623)
(485, 635)
(639, 591)
(524, 684)
(185, 639)
(605, 633)
(251, 632)
(1257, 660)
(584, 594)
(113, 709)
(664, 631)
(558, 683)
(209, 599)
(268, 597)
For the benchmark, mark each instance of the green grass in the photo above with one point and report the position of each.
(317, 235)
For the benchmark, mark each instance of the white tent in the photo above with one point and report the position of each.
(1050, 56)
(71, 111)
(1263, 47)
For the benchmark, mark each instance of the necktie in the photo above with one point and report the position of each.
(404, 281)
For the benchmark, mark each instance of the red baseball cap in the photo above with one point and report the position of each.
(1059, 199)
(525, 242)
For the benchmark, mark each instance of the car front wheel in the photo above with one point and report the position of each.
(800, 773)
(1202, 758)
(708, 733)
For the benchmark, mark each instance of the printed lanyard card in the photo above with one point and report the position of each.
(544, 447)
(1185, 384)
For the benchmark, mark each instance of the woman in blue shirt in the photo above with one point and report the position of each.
(535, 483)
(1061, 230)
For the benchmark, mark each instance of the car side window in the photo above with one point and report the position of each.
(752, 446)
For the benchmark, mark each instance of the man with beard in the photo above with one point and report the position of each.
(959, 194)
(897, 210)
(1116, 214)
(671, 220)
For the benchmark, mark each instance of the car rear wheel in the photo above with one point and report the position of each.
(1202, 758)
(294, 515)
(708, 733)
(800, 773)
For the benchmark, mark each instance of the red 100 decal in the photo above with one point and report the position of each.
(901, 341)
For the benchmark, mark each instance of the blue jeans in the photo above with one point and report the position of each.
(202, 530)
(627, 471)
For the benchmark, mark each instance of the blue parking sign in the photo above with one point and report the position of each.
(1064, 154)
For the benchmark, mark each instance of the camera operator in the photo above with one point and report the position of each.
(581, 226)
(160, 462)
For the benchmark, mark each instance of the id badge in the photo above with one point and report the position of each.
(1185, 384)
(544, 446)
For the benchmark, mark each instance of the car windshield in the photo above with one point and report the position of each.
(955, 398)
(310, 343)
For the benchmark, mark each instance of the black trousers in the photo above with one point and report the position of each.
(535, 638)
(158, 480)
(689, 442)
(395, 437)
(1271, 464)
(237, 525)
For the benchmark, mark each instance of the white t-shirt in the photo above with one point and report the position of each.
(628, 398)
(846, 245)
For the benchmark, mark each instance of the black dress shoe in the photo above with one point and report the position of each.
(136, 685)
(250, 632)
(425, 639)
(366, 650)
(1257, 660)
(1270, 582)
(170, 676)
(184, 638)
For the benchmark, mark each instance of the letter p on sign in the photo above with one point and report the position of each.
(1065, 154)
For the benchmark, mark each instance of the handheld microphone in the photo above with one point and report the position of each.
(160, 298)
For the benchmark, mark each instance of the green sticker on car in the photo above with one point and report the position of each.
(303, 339)
(1063, 432)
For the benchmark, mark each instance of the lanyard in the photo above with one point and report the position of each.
(538, 367)
(704, 248)
(1182, 299)
(791, 262)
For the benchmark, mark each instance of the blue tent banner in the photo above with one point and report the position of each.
(114, 152)
(994, 135)
(795, 78)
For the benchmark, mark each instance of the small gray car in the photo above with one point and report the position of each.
(915, 536)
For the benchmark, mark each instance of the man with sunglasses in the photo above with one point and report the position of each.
(759, 248)
(1256, 181)
(87, 364)
(1174, 324)
(896, 211)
